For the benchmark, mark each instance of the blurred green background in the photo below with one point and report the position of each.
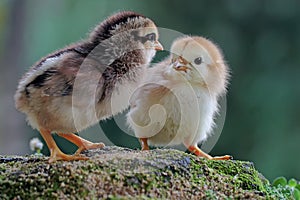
(260, 40)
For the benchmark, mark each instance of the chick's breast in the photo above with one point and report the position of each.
(169, 112)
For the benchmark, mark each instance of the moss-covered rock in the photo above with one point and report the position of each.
(118, 173)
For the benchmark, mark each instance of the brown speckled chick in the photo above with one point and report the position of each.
(75, 87)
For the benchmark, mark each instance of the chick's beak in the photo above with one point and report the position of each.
(180, 64)
(158, 46)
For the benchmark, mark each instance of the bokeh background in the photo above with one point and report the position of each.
(260, 40)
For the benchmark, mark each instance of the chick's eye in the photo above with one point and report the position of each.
(198, 61)
(150, 37)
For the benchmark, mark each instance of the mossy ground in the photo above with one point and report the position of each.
(118, 173)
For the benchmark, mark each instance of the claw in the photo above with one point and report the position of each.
(55, 153)
(81, 143)
(198, 152)
(58, 155)
(88, 146)
(226, 157)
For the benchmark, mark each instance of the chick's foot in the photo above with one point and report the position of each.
(198, 152)
(144, 144)
(81, 143)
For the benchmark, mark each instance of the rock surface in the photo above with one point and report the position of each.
(119, 173)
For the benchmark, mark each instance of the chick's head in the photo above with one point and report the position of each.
(199, 61)
(128, 31)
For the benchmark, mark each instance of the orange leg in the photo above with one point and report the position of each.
(80, 142)
(55, 152)
(144, 144)
(198, 152)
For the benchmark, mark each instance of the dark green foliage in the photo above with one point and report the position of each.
(289, 188)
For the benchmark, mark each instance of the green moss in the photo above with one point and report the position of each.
(242, 174)
(117, 173)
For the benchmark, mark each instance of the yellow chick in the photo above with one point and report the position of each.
(179, 98)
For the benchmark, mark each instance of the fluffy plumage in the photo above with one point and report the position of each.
(179, 98)
(74, 88)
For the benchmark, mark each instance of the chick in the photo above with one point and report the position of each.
(180, 95)
(74, 88)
